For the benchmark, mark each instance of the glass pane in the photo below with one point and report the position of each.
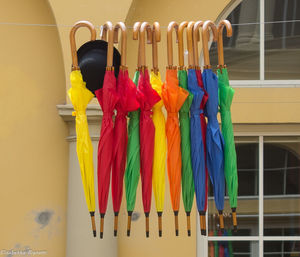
(281, 186)
(282, 248)
(282, 39)
(233, 248)
(241, 51)
(247, 210)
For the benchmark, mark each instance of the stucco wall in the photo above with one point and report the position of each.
(34, 153)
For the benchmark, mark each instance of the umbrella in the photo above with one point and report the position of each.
(107, 97)
(226, 93)
(197, 143)
(204, 187)
(173, 97)
(80, 96)
(132, 172)
(187, 181)
(147, 97)
(127, 102)
(160, 144)
(214, 138)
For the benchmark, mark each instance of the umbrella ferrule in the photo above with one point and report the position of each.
(110, 68)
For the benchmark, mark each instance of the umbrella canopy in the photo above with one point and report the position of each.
(226, 93)
(230, 163)
(160, 143)
(214, 138)
(107, 97)
(132, 173)
(173, 97)
(147, 98)
(187, 180)
(203, 187)
(197, 144)
(127, 102)
(80, 96)
(160, 149)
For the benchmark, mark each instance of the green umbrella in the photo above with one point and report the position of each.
(226, 93)
(132, 173)
(187, 180)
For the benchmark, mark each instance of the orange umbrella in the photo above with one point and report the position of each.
(173, 97)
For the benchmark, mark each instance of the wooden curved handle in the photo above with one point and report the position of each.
(222, 24)
(135, 35)
(196, 38)
(108, 28)
(205, 38)
(122, 27)
(156, 37)
(145, 27)
(172, 25)
(181, 28)
(76, 26)
(190, 44)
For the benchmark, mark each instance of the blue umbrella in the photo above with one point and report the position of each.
(197, 144)
(214, 138)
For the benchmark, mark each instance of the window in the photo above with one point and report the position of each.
(268, 203)
(265, 41)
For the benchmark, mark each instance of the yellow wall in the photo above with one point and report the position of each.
(33, 150)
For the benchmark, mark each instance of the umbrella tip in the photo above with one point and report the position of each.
(94, 233)
(147, 233)
(101, 235)
(203, 232)
(128, 233)
(115, 233)
(160, 233)
(177, 232)
(189, 232)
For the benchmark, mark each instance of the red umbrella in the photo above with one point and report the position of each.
(147, 97)
(127, 102)
(107, 97)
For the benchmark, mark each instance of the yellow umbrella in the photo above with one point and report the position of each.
(160, 143)
(80, 96)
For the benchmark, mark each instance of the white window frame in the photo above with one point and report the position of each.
(202, 241)
(261, 82)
